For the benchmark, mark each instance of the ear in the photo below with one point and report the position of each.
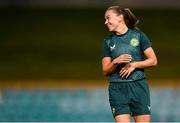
(121, 17)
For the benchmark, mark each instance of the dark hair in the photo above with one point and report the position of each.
(129, 18)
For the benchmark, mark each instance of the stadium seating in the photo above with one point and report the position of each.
(78, 105)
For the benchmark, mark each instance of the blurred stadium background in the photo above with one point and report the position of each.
(50, 59)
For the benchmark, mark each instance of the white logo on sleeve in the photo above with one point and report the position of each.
(112, 47)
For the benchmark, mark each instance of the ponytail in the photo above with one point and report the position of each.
(130, 19)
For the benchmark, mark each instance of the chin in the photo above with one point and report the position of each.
(111, 30)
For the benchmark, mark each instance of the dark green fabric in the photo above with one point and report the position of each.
(133, 42)
(129, 98)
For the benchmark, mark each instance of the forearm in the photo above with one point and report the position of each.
(109, 65)
(109, 68)
(146, 63)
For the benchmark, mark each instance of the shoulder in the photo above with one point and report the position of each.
(139, 33)
(136, 31)
(108, 38)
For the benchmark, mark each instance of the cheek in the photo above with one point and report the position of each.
(113, 21)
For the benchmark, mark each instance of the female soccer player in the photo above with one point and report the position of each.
(126, 52)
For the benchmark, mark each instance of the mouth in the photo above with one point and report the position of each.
(108, 25)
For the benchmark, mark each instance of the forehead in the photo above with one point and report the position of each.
(110, 13)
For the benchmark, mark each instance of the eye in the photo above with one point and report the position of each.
(107, 18)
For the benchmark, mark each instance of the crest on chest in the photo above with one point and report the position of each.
(134, 42)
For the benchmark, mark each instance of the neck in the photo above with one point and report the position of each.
(121, 29)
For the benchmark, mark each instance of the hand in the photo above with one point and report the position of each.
(127, 70)
(125, 58)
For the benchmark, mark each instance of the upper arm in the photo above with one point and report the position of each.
(145, 41)
(146, 47)
(106, 61)
(105, 51)
(149, 53)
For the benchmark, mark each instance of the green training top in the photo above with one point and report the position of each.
(133, 42)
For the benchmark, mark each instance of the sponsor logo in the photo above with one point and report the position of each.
(112, 47)
(134, 42)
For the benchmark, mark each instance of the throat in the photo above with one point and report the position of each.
(122, 30)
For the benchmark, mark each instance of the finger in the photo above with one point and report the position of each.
(122, 69)
(122, 72)
(125, 73)
(127, 55)
(129, 58)
(126, 61)
(128, 74)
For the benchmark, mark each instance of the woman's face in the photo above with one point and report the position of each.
(112, 20)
